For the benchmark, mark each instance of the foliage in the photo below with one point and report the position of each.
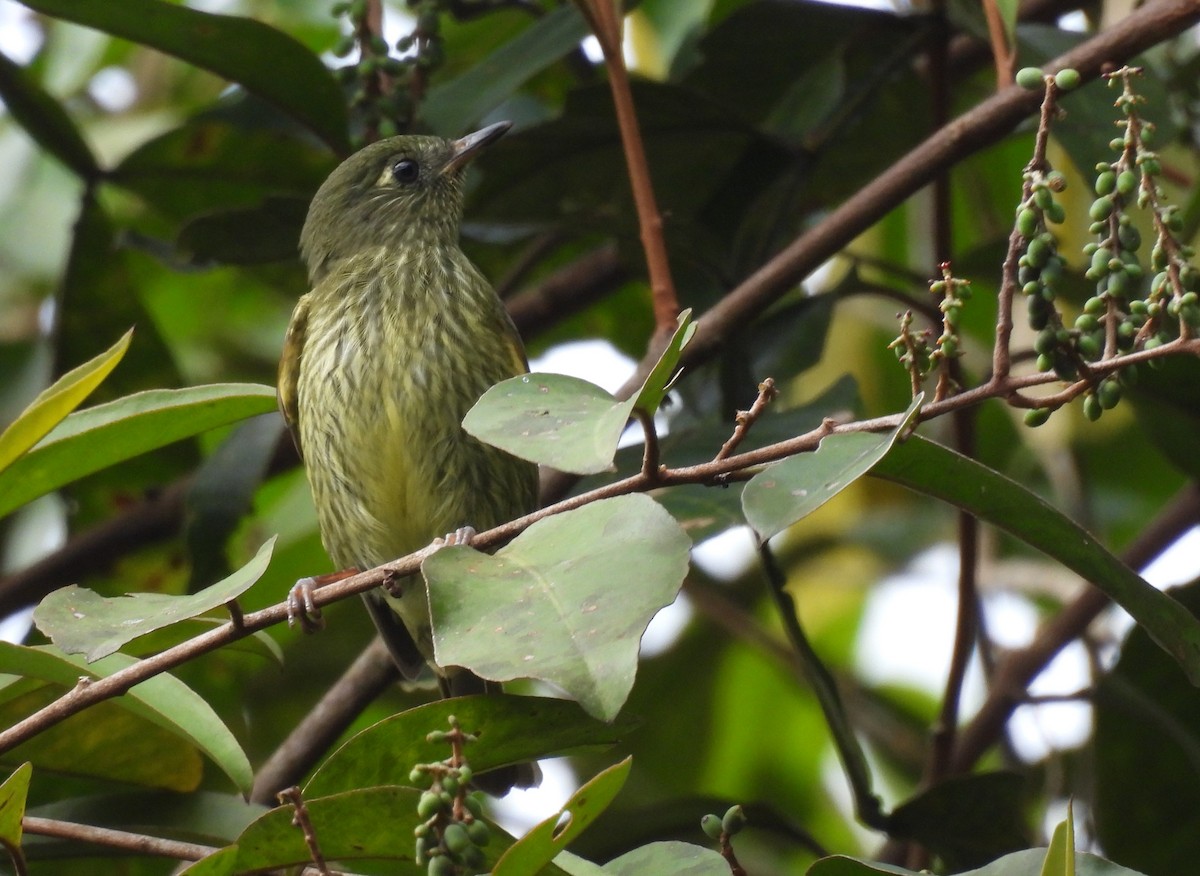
(761, 140)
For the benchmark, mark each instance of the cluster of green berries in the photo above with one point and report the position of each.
(387, 110)
(722, 828)
(452, 835)
(1120, 317)
(953, 294)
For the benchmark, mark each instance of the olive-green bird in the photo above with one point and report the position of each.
(398, 338)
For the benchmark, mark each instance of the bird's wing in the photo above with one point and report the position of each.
(289, 370)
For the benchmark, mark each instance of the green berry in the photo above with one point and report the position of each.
(1067, 79)
(1128, 376)
(1091, 407)
(1095, 305)
(456, 838)
(1106, 183)
(479, 833)
(1089, 346)
(441, 866)
(734, 820)
(429, 805)
(419, 777)
(1046, 341)
(1035, 417)
(711, 825)
(1027, 223)
(1086, 322)
(1126, 183)
(1056, 213)
(1030, 78)
(1045, 362)
(1109, 393)
(1102, 208)
(474, 803)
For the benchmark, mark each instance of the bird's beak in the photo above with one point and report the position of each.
(465, 150)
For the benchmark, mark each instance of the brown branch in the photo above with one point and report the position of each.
(137, 843)
(606, 23)
(1002, 52)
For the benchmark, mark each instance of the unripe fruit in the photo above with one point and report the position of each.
(1030, 78)
(734, 820)
(711, 825)
(1037, 416)
(479, 833)
(1109, 394)
(1067, 79)
(1106, 183)
(1091, 408)
(456, 839)
(429, 805)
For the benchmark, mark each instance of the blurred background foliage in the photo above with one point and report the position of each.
(139, 187)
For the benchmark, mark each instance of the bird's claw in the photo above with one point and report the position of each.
(302, 608)
(464, 535)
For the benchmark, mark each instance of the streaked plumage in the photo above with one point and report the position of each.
(398, 338)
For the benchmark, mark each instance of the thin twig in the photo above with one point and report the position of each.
(606, 23)
(767, 393)
(301, 820)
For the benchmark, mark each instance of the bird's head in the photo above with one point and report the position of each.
(406, 188)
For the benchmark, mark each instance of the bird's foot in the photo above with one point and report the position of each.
(464, 535)
(393, 584)
(302, 608)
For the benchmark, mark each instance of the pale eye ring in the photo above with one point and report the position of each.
(406, 170)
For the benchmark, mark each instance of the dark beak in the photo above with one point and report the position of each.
(466, 149)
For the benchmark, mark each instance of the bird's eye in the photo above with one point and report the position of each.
(406, 170)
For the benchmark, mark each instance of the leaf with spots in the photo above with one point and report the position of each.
(566, 602)
(793, 488)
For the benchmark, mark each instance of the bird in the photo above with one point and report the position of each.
(399, 335)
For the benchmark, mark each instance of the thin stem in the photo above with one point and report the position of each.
(867, 806)
(607, 26)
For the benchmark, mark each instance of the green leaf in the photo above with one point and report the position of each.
(669, 859)
(90, 440)
(57, 401)
(552, 419)
(12, 807)
(1027, 862)
(568, 423)
(79, 621)
(538, 847)
(375, 823)
(655, 386)
(163, 700)
(966, 820)
(222, 862)
(451, 107)
(793, 488)
(266, 232)
(384, 753)
(544, 605)
(44, 119)
(1060, 857)
(262, 59)
(933, 470)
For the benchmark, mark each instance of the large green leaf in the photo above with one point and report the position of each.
(44, 119)
(259, 57)
(552, 835)
(671, 858)
(1024, 863)
(568, 423)
(384, 753)
(370, 823)
(163, 700)
(566, 601)
(79, 621)
(92, 439)
(12, 807)
(934, 470)
(793, 488)
(57, 401)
